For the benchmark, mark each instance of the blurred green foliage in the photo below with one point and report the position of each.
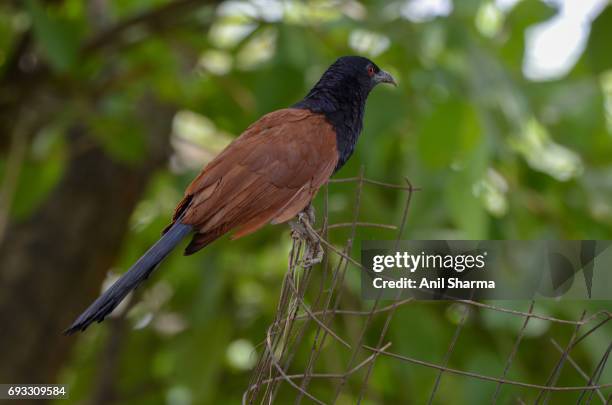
(497, 156)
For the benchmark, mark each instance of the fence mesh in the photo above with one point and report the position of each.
(314, 302)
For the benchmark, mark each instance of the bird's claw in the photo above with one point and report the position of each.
(312, 257)
(301, 229)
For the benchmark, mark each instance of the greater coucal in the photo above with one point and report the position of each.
(269, 174)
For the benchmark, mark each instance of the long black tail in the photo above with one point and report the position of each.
(105, 304)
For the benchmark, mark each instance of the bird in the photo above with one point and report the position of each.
(267, 175)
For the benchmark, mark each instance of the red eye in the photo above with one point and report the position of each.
(370, 70)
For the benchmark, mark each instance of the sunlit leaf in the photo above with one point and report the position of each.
(58, 37)
(598, 47)
(523, 15)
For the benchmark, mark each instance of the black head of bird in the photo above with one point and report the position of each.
(341, 96)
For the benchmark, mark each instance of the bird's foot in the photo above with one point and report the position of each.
(313, 255)
(298, 230)
(301, 229)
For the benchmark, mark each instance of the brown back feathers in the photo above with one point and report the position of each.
(267, 175)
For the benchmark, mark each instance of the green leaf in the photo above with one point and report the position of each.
(57, 37)
(449, 132)
(466, 8)
(292, 46)
(438, 139)
(39, 175)
(523, 15)
(469, 166)
(598, 47)
(466, 210)
(119, 128)
(451, 138)
(122, 137)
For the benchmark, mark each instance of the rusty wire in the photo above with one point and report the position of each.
(307, 312)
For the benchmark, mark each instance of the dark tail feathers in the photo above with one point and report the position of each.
(105, 304)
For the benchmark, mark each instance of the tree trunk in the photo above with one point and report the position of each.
(52, 265)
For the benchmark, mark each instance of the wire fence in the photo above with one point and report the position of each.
(312, 304)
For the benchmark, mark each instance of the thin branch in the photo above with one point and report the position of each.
(514, 351)
(155, 16)
(387, 324)
(605, 313)
(577, 368)
(375, 182)
(316, 375)
(486, 377)
(449, 352)
(362, 224)
(14, 164)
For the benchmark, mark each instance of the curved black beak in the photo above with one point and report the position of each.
(384, 77)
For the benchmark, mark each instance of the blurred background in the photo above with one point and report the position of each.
(108, 108)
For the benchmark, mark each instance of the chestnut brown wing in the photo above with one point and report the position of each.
(267, 175)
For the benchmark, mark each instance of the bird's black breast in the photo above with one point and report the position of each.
(346, 116)
(347, 134)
